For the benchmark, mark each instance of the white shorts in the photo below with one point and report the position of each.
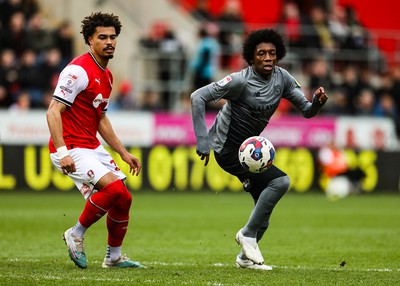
(91, 165)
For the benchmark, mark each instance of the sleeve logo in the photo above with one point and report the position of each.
(71, 79)
(224, 81)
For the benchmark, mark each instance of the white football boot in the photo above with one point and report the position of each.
(247, 263)
(250, 248)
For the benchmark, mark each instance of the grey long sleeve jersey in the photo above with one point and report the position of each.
(250, 103)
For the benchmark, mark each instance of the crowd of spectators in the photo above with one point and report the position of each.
(31, 54)
(336, 51)
(325, 47)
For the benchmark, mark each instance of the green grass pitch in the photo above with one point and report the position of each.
(188, 239)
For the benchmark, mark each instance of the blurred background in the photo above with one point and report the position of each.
(169, 48)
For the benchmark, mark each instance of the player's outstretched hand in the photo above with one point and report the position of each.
(205, 157)
(321, 95)
(133, 163)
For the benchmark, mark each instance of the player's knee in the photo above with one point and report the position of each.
(114, 190)
(120, 209)
(286, 182)
(281, 184)
(126, 198)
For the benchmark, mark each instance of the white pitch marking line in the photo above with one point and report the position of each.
(218, 264)
(275, 266)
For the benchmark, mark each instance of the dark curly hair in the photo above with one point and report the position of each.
(263, 36)
(99, 19)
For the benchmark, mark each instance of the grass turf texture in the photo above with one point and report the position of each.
(188, 239)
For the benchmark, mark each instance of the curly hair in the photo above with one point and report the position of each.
(99, 19)
(263, 36)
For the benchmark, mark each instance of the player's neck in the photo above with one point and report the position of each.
(266, 77)
(102, 61)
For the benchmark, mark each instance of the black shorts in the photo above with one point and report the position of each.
(252, 182)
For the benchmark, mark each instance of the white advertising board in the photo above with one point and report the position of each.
(146, 129)
(133, 128)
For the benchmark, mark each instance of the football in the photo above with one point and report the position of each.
(256, 154)
(338, 188)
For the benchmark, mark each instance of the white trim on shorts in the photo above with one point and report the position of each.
(91, 165)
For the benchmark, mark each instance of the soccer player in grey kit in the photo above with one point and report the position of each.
(252, 96)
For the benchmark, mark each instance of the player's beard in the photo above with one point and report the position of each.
(107, 55)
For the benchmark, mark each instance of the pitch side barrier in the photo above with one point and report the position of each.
(179, 169)
(165, 144)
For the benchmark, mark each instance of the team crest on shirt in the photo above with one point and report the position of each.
(224, 81)
(277, 90)
(98, 100)
(71, 79)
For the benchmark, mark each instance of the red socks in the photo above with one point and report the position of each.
(118, 218)
(114, 199)
(100, 202)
